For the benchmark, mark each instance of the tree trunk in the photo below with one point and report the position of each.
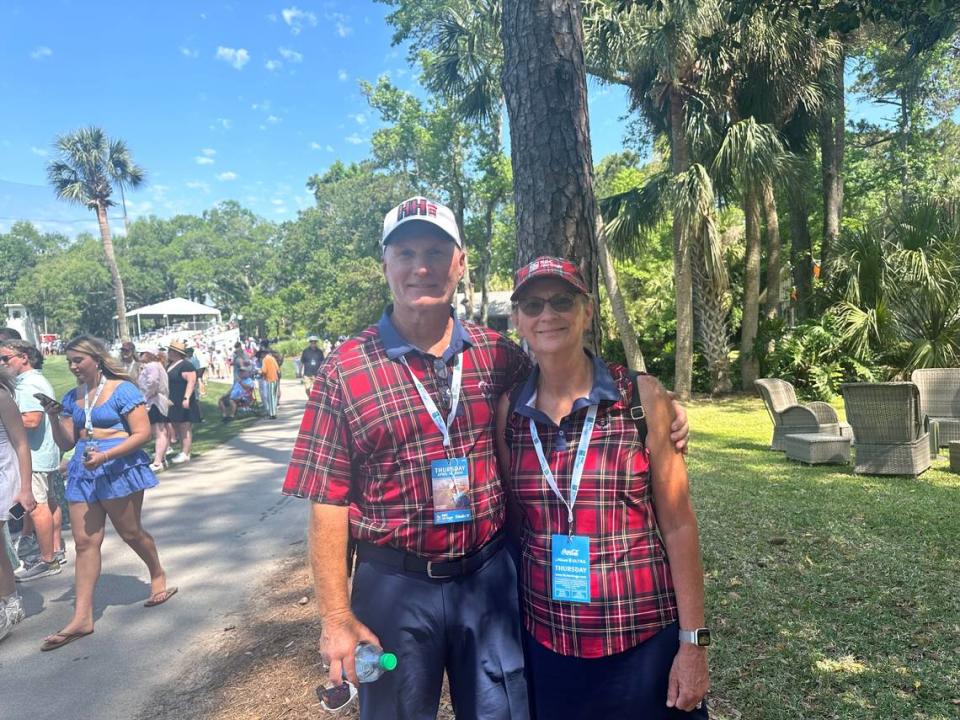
(628, 335)
(459, 211)
(544, 83)
(118, 293)
(486, 253)
(749, 367)
(904, 141)
(710, 321)
(801, 245)
(682, 272)
(773, 250)
(832, 120)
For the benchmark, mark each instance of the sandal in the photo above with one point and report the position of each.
(161, 597)
(64, 639)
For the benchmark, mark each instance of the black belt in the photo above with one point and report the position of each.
(435, 569)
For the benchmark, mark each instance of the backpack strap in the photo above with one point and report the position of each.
(637, 413)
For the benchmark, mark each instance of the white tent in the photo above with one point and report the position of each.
(173, 308)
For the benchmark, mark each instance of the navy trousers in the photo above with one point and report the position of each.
(631, 685)
(468, 626)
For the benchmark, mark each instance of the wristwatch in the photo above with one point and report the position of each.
(699, 637)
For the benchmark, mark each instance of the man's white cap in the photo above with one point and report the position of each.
(421, 210)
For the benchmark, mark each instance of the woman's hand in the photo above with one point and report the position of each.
(94, 460)
(689, 678)
(186, 403)
(50, 406)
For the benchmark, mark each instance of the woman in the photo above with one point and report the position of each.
(105, 422)
(154, 385)
(610, 561)
(15, 487)
(185, 407)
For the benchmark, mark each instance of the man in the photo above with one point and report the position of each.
(24, 360)
(310, 361)
(402, 409)
(128, 358)
(198, 358)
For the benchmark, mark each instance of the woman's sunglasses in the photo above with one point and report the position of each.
(533, 306)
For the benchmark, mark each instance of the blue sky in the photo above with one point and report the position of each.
(216, 100)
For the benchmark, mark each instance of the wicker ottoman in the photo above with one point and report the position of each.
(817, 448)
(955, 456)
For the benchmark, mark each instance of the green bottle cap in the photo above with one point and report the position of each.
(388, 661)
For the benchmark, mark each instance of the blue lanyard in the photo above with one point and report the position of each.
(578, 463)
(431, 406)
(88, 406)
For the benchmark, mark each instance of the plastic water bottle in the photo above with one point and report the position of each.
(372, 662)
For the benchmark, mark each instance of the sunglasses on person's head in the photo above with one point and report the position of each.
(533, 306)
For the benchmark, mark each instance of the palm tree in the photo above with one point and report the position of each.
(653, 52)
(86, 171)
(750, 155)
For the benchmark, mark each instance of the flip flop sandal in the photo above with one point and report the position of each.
(161, 597)
(65, 639)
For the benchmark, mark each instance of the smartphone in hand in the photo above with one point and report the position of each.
(18, 511)
(47, 401)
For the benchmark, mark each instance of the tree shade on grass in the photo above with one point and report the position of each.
(830, 595)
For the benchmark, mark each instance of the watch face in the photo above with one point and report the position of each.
(703, 637)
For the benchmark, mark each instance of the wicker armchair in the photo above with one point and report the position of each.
(791, 418)
(940, 400)
(892, 437)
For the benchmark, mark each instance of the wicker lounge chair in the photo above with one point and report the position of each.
(891, 431)
(791, 418)
(940, 400)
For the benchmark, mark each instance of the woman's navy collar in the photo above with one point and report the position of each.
(396, 345)
(604, 389)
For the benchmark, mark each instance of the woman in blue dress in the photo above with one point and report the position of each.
(104, 420)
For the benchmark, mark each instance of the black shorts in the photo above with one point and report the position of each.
(156, 417)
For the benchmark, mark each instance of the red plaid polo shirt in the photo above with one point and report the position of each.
(367, 441)
(631, 587)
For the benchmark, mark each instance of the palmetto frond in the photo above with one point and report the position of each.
(465, 60)
(750, 153)
(694, 204)
(628, 215)
(88, 165)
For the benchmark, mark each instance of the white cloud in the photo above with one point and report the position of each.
(273, 119)
(342, 75)
(297, 19)
(281, 209)
(222, 124)
(277, 201)
(340, 23)
(227, 176)
(272, 17)
(360, 118)
(39, 151)
(209, 152)
(273, 65)
(354, 139)
(290, 55)
(237, 57)
(203, 160)
(329, 148)
(189, 53)
(198, 185)
(40, 52)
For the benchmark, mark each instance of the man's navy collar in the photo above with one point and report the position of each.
(396, 345)
(604, 389)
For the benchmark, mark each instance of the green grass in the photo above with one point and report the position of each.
(831, 595)
(206, 436)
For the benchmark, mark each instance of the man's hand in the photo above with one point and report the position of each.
(689, 678)
(338, 643)
(680, 427)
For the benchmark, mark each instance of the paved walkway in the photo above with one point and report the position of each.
(220, 523)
